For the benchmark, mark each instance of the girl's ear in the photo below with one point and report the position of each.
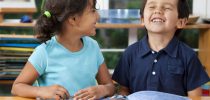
(72, 21)
(181, 23)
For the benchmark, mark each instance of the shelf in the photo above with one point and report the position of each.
(107, 25)
(16, 23)
(6, 81)
(24, 7)
(18, 10)
(198, 26)
(15, 36)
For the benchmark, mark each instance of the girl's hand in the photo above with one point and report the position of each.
(53, 92)
(91, 93)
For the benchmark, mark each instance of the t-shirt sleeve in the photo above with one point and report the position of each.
(121, 72)
(196, 74)
(38, 59)
(100, 56)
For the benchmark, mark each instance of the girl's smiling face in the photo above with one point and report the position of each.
(161, 16)
(87, 21)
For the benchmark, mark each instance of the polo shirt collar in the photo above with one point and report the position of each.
(171, 49)
(144, 46)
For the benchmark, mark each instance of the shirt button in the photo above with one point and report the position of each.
(155, 60)
(153, 52)
(153, 73)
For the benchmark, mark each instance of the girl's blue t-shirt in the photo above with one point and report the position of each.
(72, 70)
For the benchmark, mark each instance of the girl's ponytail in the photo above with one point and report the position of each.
(46, 26)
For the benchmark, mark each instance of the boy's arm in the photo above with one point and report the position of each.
(195, 93)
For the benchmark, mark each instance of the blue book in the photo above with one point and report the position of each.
(155, 95)
(148, 95)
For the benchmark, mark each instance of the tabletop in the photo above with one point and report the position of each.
(20, 98)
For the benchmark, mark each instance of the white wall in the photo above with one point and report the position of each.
(208, 8)
(201, 8)
(102, 4)
(17, 4)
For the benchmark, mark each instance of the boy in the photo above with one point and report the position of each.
(160, 62)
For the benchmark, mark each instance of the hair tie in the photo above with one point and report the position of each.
(47, 14)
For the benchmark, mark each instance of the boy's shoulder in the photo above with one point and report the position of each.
(185, 49)
(134, 48)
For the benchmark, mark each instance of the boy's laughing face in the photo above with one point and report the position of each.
(161, 16)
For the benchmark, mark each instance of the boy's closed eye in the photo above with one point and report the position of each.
(152, 7)
(167, 8)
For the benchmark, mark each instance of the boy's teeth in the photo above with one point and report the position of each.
(157, 20)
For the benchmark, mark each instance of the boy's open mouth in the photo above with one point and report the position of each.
(157, 20)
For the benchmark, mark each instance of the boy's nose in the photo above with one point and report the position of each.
(158, 11)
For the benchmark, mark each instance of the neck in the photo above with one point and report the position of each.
(70, 41)
(158, 42)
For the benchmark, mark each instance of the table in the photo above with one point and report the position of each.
(20, 98)
(13, 98)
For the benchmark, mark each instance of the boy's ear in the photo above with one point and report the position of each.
(142, 20)
(181, 23)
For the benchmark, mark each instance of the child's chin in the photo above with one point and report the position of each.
(93, 34)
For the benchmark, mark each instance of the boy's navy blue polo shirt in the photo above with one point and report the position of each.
(175, 69)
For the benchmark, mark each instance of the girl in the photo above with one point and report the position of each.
(68, 62)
